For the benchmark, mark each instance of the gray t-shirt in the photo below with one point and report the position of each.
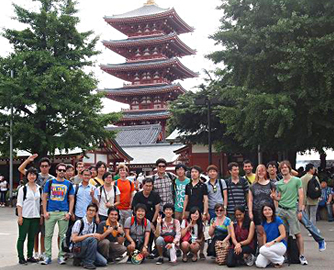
(76, 180)
(215, 193)
(137, 231)
(261, 194)
(41, 180)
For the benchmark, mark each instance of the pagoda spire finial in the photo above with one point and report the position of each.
(150, 2)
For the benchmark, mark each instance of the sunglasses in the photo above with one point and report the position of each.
(61, 170)
(162, 166)
(219, 210)
(44, 166)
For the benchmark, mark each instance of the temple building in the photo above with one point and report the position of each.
(152, 51)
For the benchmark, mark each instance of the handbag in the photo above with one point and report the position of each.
(222, 248)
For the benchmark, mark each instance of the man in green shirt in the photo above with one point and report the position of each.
(289, 192)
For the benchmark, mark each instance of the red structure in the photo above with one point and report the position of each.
(151, 51)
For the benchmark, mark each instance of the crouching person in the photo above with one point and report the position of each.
(112, 236)
(168, 234)
(137, 232)
(85, 241)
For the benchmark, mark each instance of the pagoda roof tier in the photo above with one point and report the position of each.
(147, 14)
(174, 65)
(121, 94)
(172, 40)
(141, 115)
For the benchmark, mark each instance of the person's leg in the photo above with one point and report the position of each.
(49, 228)
(260, 235)
(89, 255)
(231, 258)
(42, 242)
(300, 243)
(33, 228)
(23, 230)
(185, 249)
(261, 260)
(329, 212)
(313, 230)
(194, 248)
(103, 247)
(62, 226)
(313, 213)
(274, 253)
(160, 244)
(36, 243)
(100, 260)
(116, 250)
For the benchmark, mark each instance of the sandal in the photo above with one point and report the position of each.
(184, 259)
(194, 259)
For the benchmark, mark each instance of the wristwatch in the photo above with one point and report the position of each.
(145, 247)
(69, 214)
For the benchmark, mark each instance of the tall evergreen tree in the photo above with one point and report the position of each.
(51, 94)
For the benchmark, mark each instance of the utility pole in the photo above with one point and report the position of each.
(209, 131)
(11, 146)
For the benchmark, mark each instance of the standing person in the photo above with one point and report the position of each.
(101, 169)
(248, 169)
(217, 190)
(106, 196)
(43, 176)
(259, 194)
(272, 171)
(3, 191)
(220, 230)
(274, 249)
(126, 188)
(137, 232)
(93, 171)
(310, 204)
(237, 190)
(168, 234)
(325, 200)
(289, 191)
(164, 183)
(112, 236)
(85, 238)
(28, 209)
(84, 196)
(192, 234)
(69, 172)
(180, 189)
(242, 234)
(58, 201)
(78, 178)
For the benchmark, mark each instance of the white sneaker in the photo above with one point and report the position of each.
(249, 260)
(303, 260)
(61, 260)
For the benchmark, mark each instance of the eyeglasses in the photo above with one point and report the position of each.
(219, 210)
(162, 166)
(91, 210)
(44, 166)
(61, 170)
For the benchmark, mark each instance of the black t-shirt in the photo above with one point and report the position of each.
(103, 226)
(151, 201)
(261, 194)
(196, 195)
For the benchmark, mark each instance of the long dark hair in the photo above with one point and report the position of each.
(246, 222)
(199, 220)
(270, 205)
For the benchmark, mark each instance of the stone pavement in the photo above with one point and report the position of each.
(8, 257)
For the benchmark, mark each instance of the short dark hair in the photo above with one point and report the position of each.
(31, 170)
(78, 163)
(60, 165)
(106, 174)
(86, 170)
(179, 166)
(285, 162)
(212, 167)
(91, 167)
(272, 206)
(168, 206)
(309, 167)
(69, 166)
(45, 159)
(93, 205)
(140, 206)
(197, 168)
(147, 180)
(231, 165)
(99, 164)
(272, 163)
(247, 161)
(113, 209)
(161, 160)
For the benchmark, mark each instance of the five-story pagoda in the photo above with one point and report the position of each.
(151, 51)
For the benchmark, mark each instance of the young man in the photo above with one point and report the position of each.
(217, 190)
(325, 200)
(112, 236)
(180, 189)
(126, 188)
(42, 178)
(86, 240)
(69, 172)
(58, 201)
(164, 183)
(84, 195)
(272, 171)
(248, 169)
(137, 232)
(289, 191)
(101, 169)
(78, 178)
(93, 171)
(237, 189)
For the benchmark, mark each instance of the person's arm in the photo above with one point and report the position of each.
(225, 198)
(19, 205)
(128, 237)
(44, 202)
(156, 212)
(186, 229)
(132, 193)
(22, 168)
(206, 205)
(250, 235)
(185, 203)
(282, 236)
(229, 229)
(157, 231)
(177, 237)
(118, 200)
(250, 204)
(233, 237)
(71, 197)
(300, 202)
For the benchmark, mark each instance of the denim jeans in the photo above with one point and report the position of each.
(329, 211)
(90, 255)
(313, 230)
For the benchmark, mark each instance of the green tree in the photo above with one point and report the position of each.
(51, 94)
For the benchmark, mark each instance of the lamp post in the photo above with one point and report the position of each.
(11, 146)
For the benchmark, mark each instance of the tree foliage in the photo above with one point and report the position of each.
(51, 94)
(278, 73)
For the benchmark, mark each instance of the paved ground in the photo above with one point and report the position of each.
(8, 256)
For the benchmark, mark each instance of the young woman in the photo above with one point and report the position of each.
(168, 234)
(259, 194)
(274, 237)
(28, 209)
(192, 234)
(220, 229)
(107, 196)
(242, 235)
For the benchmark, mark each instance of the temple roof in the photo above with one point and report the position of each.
(141, 90)
(137, 135)
(132, 42)
(173, 63)
(145, 10)
(151, 114)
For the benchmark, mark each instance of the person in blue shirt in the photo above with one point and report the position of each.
(274, 238)
(58, 201)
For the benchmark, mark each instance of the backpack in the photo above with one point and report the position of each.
(313, 190)
(293, 251)
(133, 221)
(25, 196)
(101, 188)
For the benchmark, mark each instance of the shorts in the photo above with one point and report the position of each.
(290, 220)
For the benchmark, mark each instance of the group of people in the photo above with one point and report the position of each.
(103, 217)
